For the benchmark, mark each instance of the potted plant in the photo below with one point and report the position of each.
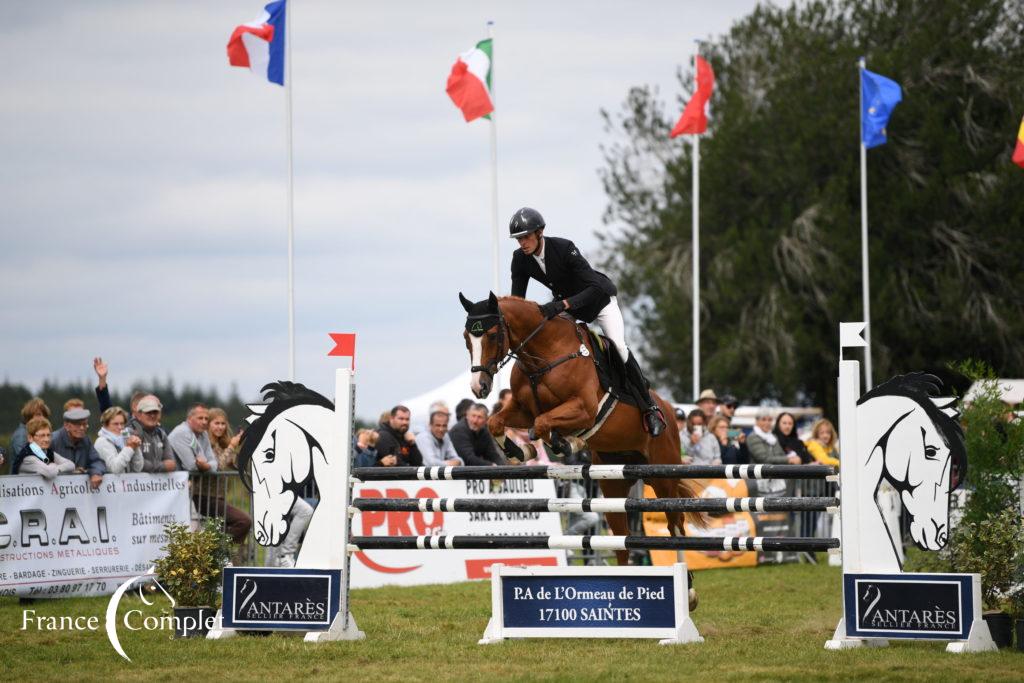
(190, 571)
(989, 538)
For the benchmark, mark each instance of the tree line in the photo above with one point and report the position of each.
(780, 199)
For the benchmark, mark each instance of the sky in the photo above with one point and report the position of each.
(144, 181)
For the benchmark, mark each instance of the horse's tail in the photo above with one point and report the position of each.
(697, 519)
(667, 450)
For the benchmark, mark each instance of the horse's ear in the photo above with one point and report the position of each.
(466, 303)
(492, 301)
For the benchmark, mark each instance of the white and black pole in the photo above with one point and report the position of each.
(865, 285)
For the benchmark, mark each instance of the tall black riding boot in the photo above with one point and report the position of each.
(654, 421)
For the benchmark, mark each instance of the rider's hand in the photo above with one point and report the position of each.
(552, 308)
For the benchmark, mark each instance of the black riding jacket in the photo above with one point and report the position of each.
(569, 276)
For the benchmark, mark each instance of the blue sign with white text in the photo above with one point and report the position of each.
(269, 598)
(588, 602)
(913, 606)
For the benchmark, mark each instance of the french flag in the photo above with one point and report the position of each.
(259, 45)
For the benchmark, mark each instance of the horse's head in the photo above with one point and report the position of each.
(487, 341)
(278, 452)
(920, 447)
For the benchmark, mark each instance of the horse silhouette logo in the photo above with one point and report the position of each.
(909, 437)
(289, 443)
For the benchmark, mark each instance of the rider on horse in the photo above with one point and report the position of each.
(583, 292)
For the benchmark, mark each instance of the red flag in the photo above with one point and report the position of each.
(695, 117)
(344, 345)
(1018, 151)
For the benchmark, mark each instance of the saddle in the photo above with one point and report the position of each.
(611, 369)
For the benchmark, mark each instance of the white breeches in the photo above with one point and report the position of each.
(610, 320)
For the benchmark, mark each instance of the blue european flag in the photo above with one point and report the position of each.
(879, 96)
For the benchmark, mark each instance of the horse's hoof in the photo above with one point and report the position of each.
(693, 599)
(576, 444)
(529, 452)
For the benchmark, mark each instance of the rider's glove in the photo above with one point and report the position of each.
(552, 308)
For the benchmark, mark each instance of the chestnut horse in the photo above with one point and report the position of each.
(564, 396)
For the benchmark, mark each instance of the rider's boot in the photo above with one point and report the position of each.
(654, 421)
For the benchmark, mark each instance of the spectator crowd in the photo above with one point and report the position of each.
(135, 440)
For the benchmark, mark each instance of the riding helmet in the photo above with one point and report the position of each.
(524, 221)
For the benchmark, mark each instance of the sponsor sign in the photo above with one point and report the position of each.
(372, 568)
(929, 606)
(271, 599)
(590, 602)
(62, 538)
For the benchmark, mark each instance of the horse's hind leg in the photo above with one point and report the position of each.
(617, 488)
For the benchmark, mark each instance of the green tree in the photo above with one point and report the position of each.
(780, 199)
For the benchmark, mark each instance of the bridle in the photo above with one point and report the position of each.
(501, 359)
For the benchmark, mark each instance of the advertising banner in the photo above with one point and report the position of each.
(272, 599)
(739, 523)
(590, 602)
(62, 538)
(373, 568)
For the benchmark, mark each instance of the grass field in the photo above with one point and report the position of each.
(767, 623)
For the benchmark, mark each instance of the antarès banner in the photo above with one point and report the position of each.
(372, 568)
(62, 538)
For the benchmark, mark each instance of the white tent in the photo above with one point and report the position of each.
(1011, 390)
(451, 392)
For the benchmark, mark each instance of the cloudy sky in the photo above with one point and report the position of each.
(144, 180)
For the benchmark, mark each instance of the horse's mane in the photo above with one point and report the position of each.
(279, 397)
(922, 387)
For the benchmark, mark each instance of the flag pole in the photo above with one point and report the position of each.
(865, 293)
(494, 173)
(696, 244)
(291, 190)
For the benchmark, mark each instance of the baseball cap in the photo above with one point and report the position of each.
(148, 404)
(729, 400)
(76, 414)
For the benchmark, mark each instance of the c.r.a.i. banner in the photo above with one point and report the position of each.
(61, 537)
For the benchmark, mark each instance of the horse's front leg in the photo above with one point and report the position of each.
(570, 416)
(514, 415)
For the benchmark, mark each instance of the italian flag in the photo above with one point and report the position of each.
(1018, 151)
(469, 83)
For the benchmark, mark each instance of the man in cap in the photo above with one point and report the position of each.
(707, 402)
(157, 455)
(578, 289)
(70, 442)
(727, 406)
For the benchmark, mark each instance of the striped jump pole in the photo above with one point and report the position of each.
(578, 505)
(738, 543)
(581, 472)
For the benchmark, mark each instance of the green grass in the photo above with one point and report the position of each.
(768, 623)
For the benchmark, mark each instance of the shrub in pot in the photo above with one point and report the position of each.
(988, 537)
(190, 571)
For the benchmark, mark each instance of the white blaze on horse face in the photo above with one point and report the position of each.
(281, 459)
(475, 356)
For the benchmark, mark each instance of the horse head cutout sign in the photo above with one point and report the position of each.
(290, 442)
(908, 436)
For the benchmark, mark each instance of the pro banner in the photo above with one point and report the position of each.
(62, 538)
(372, 568)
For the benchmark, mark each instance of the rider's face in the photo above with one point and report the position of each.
(530, 242)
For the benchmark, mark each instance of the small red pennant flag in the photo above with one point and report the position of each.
(344, 345)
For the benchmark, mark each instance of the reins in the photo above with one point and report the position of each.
(496, 363)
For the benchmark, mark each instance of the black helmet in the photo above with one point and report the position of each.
(524, 221)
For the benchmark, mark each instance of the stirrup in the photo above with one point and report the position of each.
(654, 421)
